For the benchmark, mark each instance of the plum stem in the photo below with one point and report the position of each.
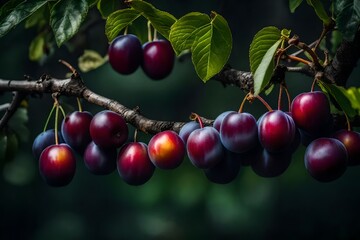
(56, 122)
(241, 108)
(48, 118)
(195, 116)
(280, 95)
(79, 104)
(265, 103)
(288, 97)
(149, 31)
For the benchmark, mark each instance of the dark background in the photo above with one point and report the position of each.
(181, 203)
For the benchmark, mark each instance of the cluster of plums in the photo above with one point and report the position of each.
(156, 58)
(235, 139)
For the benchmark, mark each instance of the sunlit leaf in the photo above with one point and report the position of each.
(160, 20)
(119, 20)
(262, 41)
(265, 69)
(353, 95)
(66, 17)
(341, 97)
(184, 31)
(212, 47)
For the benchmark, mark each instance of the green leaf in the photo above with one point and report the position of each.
(3, 144)
(18, 124)
(212, 47)
(38, 18)
(341, 97)
(90, 60)
(353, 94)
(184, 31)
(294, 4)
(66, 17)
(106, 7)
(119, 20)
(8, 7)
(262, 41)
(160, 20)
(320, 11)
(13, 16)
(336, 39)
(265, 69)
(348, 17)
(36, 48)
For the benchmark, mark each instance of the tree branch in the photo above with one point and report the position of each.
(17, 98)
(74, 87)
(344, 61)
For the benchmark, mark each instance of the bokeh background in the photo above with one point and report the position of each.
(181, 203)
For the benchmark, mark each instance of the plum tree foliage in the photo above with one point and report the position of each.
(207, 38)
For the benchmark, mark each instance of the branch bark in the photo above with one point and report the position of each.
(74, 87)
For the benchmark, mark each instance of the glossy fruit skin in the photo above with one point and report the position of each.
(100, 161)
(125, 54)
(269, 164)
(226, 170)
(239, 132)
(218, 120)
(276, 131)
(351, 141)
(158, 60)
(75, 130)
(188, 128)
(311, 112)
(108, 129)
(57, 165)
(204, 147)
(166, 150)
(133, 163)
(326, 159)
(44, 140)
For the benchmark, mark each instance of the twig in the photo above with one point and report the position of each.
(17, 98)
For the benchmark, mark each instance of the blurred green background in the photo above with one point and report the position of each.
(181, 203)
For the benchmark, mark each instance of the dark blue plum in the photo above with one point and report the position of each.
(218, 120)
(271, 164)
(100, 161)
(188, 128)
(226, 170)
(44, 140)
(238, 132)
(204, 147)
